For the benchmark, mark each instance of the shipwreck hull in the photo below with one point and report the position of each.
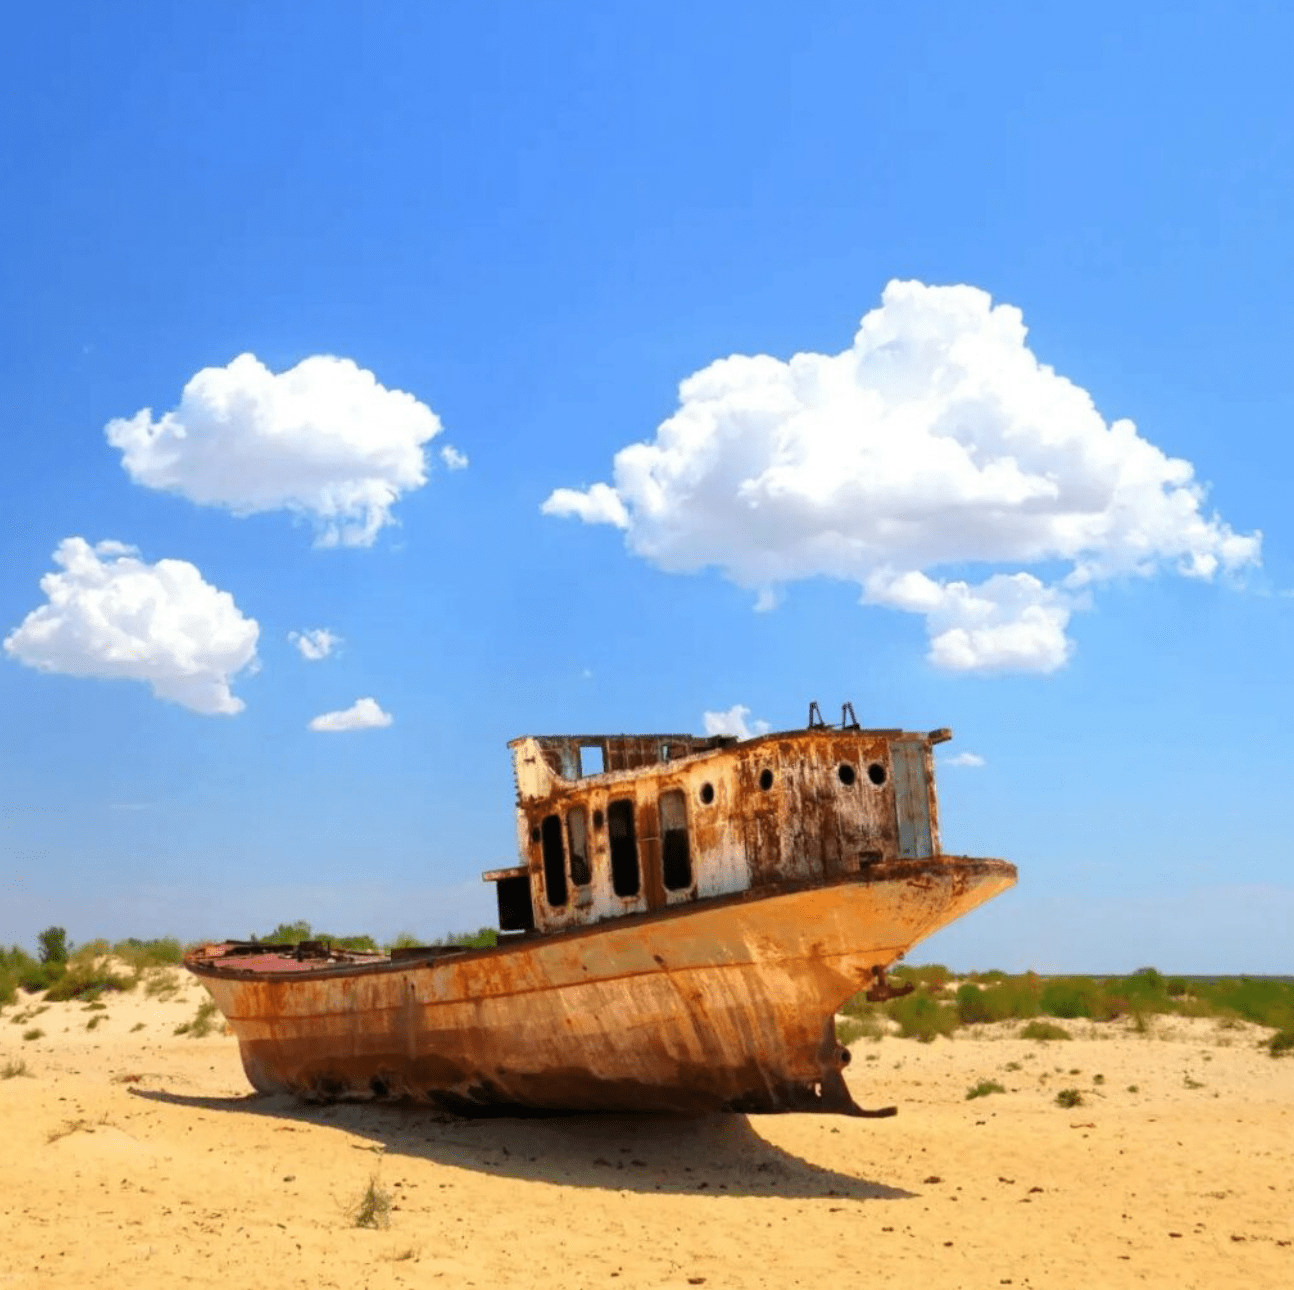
(724, 1004)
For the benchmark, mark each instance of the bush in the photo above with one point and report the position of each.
(921, 1017)
(1069, 1097)
(933, 976)
(41, 976)
(54, 946)
(203, 1023)
(983, 1089)
(373, 1209)
(85, 979)
(403, 941)
(1281, 1042)
(1044, 1030)
(165, 951)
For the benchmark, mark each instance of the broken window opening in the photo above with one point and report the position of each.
(577, 831)
(592, 761)
(554, 861)
(676, 856)
(516, 911)
(624, 848)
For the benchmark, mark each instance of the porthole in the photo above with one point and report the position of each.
(876, 773)
(847, 773)
(766, 780)
(597, 820)
(707, 793)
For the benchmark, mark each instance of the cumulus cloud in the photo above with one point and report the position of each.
(935, 442)
(363, 714)
(323, 440)
(452, 458)
(110, 614)
(315, 643)
(736, 721)
(964, 759)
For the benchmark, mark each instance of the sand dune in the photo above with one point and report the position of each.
(136, 1157)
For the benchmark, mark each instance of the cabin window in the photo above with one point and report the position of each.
(707, 794)
(846, 773)
(591, 760)
(676, 859)
(766, 780)
(624, 848)
(876, 773)
(516, 913)
(577, 830)
(554, 861)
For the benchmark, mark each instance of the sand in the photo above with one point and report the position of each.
(136, 1157)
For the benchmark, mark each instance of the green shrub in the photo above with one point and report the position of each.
(41, 976)
(921, 1017)
(34, 1033)
(1281, 1042)
(482, 938)
(165, 951)
(54, 946)
(983, 1089)
(1069, 1097)
(933, 976)
(85, 979)
(13, 1069)
(403, 941)
(857, 1005)
(1044, 1030)
(203, 1022)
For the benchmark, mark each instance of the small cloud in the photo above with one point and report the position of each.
(363, 714)
(601, 504)
(452, 458)
(734, 722)
(109, 613)
(586, 674)
(965, 759)
(767, 600)
(315, 643)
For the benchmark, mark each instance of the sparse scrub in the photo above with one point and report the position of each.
(851, 1030)
(94, 1021)
(87, 978)
(161, 983)
(34, 1033)
(165, 951)
(139, 1025)
(1044, 1030)
(373, 1209)
(983, 1089)
(1069, 1098)
(12, 1069)
(202, 1023)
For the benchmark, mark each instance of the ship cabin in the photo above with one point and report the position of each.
(613, 825)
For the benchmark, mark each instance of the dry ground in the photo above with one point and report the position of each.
(135, 1157)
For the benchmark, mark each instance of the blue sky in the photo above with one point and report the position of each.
(538, 222)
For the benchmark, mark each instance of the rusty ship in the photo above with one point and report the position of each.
(687, 915)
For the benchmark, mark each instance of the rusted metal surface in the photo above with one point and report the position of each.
(695, 913)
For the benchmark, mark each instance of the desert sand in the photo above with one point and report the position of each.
(137, 1157)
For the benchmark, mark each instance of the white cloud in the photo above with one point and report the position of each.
(324, 440)
(964, 759)
(110, 614)
(936, 441)
(452, 458)
(363, 714)
(734, 722)
(600, 504)
(315, 643)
